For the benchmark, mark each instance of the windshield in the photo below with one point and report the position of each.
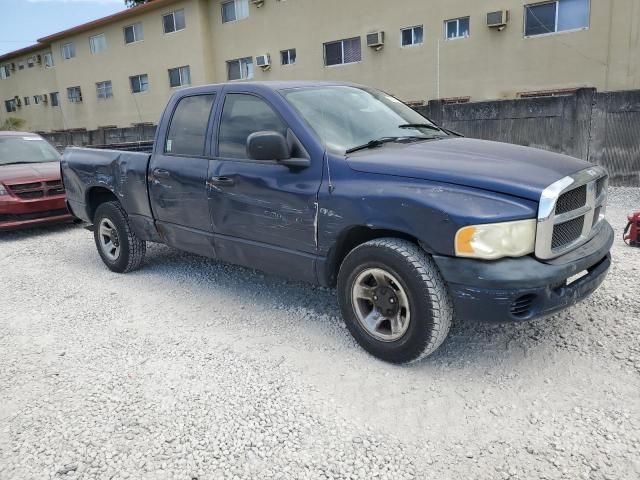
(19, 149)
(346, 117)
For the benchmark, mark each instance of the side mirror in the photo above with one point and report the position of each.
(268, 145)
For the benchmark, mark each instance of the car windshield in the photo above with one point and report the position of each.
(26, 149)
(347, 117)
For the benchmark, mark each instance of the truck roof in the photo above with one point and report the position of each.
(12, 133)
(277, 84)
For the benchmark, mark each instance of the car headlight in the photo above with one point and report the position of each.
(496, 240)
(3, 191)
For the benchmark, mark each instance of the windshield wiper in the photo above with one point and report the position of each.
(378, 142)
(430, 127)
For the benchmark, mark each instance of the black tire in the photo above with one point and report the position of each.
(423, 287)
(131, 248)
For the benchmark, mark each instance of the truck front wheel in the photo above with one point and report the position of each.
(394, 300)
(119, 247)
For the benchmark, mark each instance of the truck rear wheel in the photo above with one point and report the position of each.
(120, 249)
(394, 300)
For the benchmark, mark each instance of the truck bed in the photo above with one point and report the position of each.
(92, 171)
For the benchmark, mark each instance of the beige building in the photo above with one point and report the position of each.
(120, 70)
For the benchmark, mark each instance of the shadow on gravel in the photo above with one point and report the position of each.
(34, 232)
(468, 340)
(237, 281)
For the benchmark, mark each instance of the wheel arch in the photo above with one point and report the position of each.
(96, 196)
(351, 238)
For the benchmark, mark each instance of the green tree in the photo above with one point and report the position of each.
(13, 123)
(135, 3)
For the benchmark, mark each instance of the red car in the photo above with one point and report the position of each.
(31, 190)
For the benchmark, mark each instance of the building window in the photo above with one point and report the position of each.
(10, 105)
(48, 60)
(235, 10)
(188, 130)
(104, 89)
(179, 77)
(412, 36)
(55, 99)
(5, 71)
(558, 16)
(27, 101)
(98, 43)
(139, 83)
(133, 33)
(457, 28)
(21, 66)
(37, 99)
(31, 62)
(174, 21)
(288, 56)
(74, 94)
(240, 69)
(343, 52)
(68, 51)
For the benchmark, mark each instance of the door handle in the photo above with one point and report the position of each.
(161, 172)
(220, 182)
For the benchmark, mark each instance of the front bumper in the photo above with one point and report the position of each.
(15, 214)
(519, 289)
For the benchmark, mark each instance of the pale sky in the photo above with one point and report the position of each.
(24, 21)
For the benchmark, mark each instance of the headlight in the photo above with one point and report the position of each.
(3, 191)
(496, 240)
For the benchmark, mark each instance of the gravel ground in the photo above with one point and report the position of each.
(191, 369)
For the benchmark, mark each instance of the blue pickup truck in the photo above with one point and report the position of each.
(344, 185)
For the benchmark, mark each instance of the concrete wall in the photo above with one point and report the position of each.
(602, 128)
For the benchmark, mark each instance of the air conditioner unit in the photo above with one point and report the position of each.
(263, 61)
(375, 40)
(258, 3)
(498, 19)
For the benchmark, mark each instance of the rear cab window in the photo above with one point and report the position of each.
(188, 129)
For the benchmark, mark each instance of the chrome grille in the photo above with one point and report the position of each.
(567, 232)
(570, 212)
(596, 215)
(601, 184)
(572, 200)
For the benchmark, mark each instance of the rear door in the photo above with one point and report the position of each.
(178, 174)
(263, 213)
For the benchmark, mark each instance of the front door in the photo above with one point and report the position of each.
(178, 176)
(263, 213)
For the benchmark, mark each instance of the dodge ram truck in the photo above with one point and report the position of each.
(343, 185)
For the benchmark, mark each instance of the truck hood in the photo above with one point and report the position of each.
(499, 167)
(29, 172)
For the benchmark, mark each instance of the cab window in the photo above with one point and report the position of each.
(188, 128)
(243, 115)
